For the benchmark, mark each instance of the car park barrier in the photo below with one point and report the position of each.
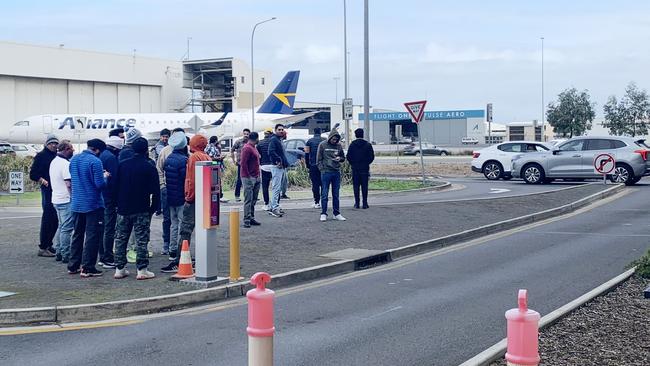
(260, 321)
(523, 334)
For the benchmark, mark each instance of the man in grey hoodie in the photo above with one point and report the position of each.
(329, 157)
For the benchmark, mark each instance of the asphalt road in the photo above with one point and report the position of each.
(435, 309)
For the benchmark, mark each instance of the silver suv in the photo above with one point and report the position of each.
(574, 159)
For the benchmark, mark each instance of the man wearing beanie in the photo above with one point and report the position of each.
(40, 172)
(160, 166)
(127, 151)
(360, 155)
(197, 148)
(138, 197)
(109, 160)
(87, 206)
(329, 157)
(174, 169)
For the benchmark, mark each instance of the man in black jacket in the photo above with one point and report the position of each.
(311, 149)
(40, 172)
(265, 165)
(360, 155)
(138, 197)
(278, 170)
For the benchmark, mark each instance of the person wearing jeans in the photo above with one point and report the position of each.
(278, 169)
(87, 205)
(235, 154)
(265, 166)
(360, 156)
(110, 164)
(60, 181)
(329, 157)
(174, 173)
(250, 175)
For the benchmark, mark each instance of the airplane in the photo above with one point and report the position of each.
(277, 108)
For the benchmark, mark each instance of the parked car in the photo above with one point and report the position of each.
(574, 159)
(427, 149)
(295, 150)
(469, 141)
(23, 150)
(5, 149)
(495, 161)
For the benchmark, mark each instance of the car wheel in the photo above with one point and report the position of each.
(492, 170)
(443, 153)
(533, 174)
(623, 174)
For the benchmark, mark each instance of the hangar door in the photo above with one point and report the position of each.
(443, 132)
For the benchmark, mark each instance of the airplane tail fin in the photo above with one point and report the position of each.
(283, 96)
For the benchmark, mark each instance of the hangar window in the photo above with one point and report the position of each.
(242, 79)
(22, 123)
(263, 81)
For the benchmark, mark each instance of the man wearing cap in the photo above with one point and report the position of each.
(87, 206)
(265, 165)
(164, 138)
(160, 166)
(138, 197)
(40, 172)
(127, 151)
(60, 182)
(174, 168)
(109, 160)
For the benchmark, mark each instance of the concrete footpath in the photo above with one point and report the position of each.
(298, 240)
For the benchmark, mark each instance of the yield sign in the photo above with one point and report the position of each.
(416, 109)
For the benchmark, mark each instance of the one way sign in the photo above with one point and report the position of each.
(16, 184)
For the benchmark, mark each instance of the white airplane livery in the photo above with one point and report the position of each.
(277, 108)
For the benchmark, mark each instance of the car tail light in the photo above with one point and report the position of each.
(643, 153)
(476, 155)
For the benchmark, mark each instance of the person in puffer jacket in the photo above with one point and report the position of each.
(175, 169)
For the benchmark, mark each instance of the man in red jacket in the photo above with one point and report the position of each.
(250, 176)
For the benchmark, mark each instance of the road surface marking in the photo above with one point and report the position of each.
(382, 313)
(590, 233)
(499, 190)
(19, 217)
(65, 327)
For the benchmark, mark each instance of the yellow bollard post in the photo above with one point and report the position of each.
(235, 274)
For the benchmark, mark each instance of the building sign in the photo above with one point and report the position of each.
(430, 115)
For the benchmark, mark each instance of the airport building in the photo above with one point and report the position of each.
(444, 128)
(37, 80)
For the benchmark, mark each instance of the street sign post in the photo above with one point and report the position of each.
(347, 116)
(416, 110)
(489, 120)
(604, 164)
(16, 185)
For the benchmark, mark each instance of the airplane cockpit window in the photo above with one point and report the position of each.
(22, 123)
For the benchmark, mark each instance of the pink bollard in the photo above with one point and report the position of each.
(260, 321)
(523, 334)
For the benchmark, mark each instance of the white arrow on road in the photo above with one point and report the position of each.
(499, 190)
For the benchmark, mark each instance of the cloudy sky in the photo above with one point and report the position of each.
(458, 54)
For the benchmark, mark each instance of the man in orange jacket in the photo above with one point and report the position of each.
(197, 147)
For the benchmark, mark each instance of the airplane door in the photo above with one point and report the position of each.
(47, 124)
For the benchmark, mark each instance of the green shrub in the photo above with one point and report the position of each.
(10, 163)
(643, 265)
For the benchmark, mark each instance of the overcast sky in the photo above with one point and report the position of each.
(458, 54)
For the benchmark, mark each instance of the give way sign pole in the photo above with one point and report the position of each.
(416, 110)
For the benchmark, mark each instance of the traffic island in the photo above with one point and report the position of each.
(609, 330)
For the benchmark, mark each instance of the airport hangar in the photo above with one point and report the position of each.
(36, 80)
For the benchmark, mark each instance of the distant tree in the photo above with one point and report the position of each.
(572, 114)
(631, 115)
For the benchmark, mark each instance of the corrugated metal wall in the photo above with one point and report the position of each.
(21, 97)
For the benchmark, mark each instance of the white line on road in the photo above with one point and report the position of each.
(581, 233)
(382, 313)
(19, 217)
(499, 190)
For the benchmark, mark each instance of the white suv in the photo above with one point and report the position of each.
(496, 161)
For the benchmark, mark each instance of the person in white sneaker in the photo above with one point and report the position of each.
(329, 157)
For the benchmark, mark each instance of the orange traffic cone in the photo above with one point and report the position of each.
(185, 264)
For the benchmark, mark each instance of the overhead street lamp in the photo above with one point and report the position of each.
(253, 74)
(543, 107)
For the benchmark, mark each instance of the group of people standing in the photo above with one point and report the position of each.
(101, 201)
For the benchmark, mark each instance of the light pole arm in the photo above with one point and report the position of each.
(252, 81)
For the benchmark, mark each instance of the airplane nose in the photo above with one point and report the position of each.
(5, 134)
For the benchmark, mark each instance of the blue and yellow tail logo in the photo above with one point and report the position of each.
(283, 96)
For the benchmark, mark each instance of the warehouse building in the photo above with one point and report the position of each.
(37, 80)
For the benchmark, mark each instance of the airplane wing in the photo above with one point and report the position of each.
(295, 118)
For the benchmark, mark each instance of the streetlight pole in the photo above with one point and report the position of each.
(543, 108)
(336, 94)
(253, 74)
(366, 71)
(188, 48)
(345, 69)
